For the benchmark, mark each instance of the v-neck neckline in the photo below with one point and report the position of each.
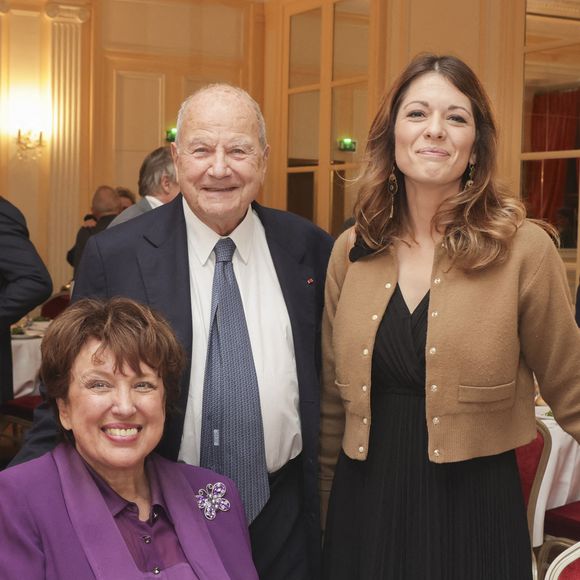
(417, 308)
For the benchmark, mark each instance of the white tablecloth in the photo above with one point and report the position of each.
(561, 483)
(25, 365)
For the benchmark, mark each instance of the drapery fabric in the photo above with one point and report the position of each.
(554, 127)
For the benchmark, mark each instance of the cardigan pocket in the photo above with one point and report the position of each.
(344, 390)
(501, 396)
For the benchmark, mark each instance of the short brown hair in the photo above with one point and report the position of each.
(133, 333)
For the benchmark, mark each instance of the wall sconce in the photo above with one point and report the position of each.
(29, 144)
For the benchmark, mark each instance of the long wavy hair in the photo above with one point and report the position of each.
(479, 222)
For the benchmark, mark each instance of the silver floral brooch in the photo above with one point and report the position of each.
(211, 500)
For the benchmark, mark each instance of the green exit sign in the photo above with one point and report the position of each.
(170, 134)
(347, 144)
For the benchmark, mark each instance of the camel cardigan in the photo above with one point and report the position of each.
(487, 333)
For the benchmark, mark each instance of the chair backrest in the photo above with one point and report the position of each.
(55, 304)
(566, 566)
(532, 459)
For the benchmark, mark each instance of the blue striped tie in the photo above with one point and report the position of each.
(232, 434)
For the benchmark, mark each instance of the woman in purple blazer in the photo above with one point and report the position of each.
(102, 505)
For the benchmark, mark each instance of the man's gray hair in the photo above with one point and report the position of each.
(229, 89)
(157, 164)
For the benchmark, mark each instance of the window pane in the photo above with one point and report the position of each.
(344, 190)
(303, 115)
(305, 32)
(300, 198)
(552, 100)
(349, 123)
(351, 38)
(550, 190)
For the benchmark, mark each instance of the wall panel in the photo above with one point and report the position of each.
(139, 122)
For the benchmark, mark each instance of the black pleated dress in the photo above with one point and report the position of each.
(397, 516)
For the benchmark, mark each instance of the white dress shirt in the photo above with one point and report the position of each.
(270, 336)
(153, 201)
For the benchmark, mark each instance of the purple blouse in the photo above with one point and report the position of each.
(153, 544)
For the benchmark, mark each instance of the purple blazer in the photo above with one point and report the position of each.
(55, 525)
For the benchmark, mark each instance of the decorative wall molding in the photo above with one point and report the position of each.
(62, 12)
(559, 8)
(65, 140)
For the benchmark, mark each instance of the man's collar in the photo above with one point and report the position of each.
(204, 238)
(153, 201)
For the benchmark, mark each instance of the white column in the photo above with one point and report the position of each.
(65, 141)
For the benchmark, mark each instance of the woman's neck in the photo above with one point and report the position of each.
(135, 489)
(131, 484)
(423, 203)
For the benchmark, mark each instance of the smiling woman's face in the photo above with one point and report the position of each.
(116, 416)
(434, 133)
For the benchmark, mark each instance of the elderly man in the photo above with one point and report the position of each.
(242, 286)
(157, 185)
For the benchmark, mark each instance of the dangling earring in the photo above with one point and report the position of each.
(393, 187)
(469, 182)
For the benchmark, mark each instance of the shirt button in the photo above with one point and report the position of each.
(374, 317)
(361, 449)
(432, 350)
(364, 388)
(437, 281)
(147, 539)
(434, 388)
(156, 570)
(388, 285)
(366, 351)
(435, 420)
(365, 421)
(437, 453)
(434, 314)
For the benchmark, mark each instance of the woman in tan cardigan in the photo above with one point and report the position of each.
(440, 304)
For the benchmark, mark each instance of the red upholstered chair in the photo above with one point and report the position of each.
(16, 416)
(532, 459)
(562, 530)
(564, 521)
(55, 304)
(566, 566)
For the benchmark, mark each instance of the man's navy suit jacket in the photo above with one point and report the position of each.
(24, 284)
(146, 259)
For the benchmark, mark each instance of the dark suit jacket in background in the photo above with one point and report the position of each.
(24, 284)
(75, 254)
(146, 259)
